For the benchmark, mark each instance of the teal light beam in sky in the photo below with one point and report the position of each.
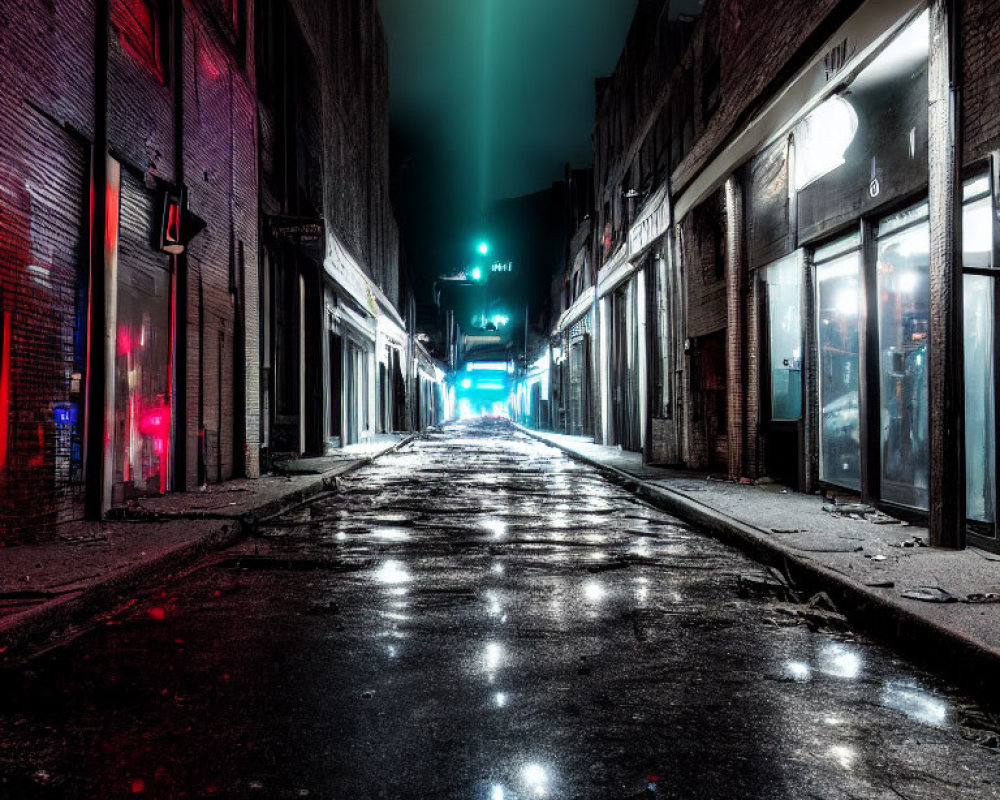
(485, 109)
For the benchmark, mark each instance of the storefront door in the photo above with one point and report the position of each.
(783, 378)
(142, 356)
(980, 325)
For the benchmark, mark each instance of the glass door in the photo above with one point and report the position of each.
(902, 273)
(838, 303)
(980, 318)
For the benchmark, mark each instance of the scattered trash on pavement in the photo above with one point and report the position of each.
(930, 594)
(983, 597)
(913, 541)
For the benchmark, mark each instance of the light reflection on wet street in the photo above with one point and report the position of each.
(477, 616)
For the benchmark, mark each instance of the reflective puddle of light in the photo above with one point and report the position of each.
(494, 607)
(391, 534)
(843, 755)
(840, 661)
(558, 519)
(916, 703)
(496, 527)
(798, 671)
(392, 572)
(493, 656)
(536, 779)
(642, 550)
(594, 591)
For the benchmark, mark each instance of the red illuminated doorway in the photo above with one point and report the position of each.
(142, 355)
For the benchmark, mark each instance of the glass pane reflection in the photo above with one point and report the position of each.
(838, 296)
(903, 300)
(784, 315)
(980, 476)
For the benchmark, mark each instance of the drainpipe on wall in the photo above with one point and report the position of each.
(179, 273)
(96, 477)
(945, 357)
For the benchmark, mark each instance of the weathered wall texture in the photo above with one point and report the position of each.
(348, 47)
(48, 64)
(981, 67)
(46, 118)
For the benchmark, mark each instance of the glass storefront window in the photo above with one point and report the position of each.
(980, 475)
(903, 305)
(785, 332)
(980, 380)
(838, 298)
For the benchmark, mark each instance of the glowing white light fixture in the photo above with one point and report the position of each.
(822, 138)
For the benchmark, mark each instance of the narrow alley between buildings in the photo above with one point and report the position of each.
(476, 615)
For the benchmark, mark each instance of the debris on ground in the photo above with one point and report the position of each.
(818, 612)
(770, 583)
(852, 510)
(980, 727)
(913, 541)
(881, 518)
(983, 597)
(930, 594)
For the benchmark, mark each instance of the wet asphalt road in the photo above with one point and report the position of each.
(477, 616)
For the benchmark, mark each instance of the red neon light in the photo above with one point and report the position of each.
(111, 222)
(173, 224)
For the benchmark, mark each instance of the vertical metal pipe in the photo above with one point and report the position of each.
(94, 410)
(179, 297)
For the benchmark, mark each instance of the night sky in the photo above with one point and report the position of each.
(489, 99)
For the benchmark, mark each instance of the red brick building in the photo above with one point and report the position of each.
(795, 250)
(122, 362)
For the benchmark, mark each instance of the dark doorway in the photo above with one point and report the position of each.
(336, 388)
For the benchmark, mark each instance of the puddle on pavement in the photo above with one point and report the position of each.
(540, 632)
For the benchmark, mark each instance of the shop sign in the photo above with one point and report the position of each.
(299, 229)
(651, 225)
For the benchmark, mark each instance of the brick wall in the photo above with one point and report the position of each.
(981, 66)
(755, 57)
(46, 82)
(219, 169)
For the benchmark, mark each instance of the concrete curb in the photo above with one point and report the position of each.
(20, 633)
(966, 660)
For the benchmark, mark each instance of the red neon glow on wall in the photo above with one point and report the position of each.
(173, 223)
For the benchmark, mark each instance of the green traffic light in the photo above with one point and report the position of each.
(477, 274)
(483, 248)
